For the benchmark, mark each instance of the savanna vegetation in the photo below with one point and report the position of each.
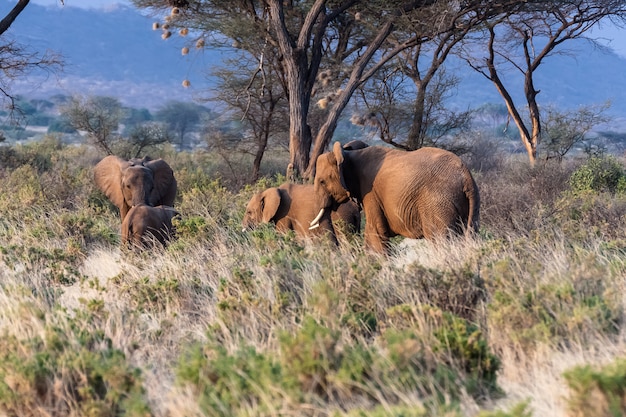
(525, 319)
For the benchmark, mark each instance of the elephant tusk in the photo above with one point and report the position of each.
(316, 221)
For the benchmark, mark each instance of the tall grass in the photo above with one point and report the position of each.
(524, 319)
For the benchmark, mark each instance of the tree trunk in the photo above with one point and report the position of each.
(299, 130)
(295, 64)
(8, 20)
(325, 134)
(529, 142)
(258, 157)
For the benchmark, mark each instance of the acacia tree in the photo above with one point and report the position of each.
(180, 117)
(523, 40)
(98, 116)
(350, 38)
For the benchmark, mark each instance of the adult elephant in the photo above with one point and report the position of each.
(292, 206)
(134, 182)
(425, 193)
(145, 225)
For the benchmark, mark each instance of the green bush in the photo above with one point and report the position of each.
(70, 369)
(519, 410)
(458, 291)
(551, 310)
(458, 352)
(597, 392)
(599, 174)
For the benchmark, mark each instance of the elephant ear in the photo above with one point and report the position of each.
(108, 178)
(165, 186)
(338, 152)
(270, 202)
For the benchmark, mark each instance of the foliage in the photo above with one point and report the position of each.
(223, 322)
(597, 391)
(519, 410)
(599, 174)
(562, 131)
(98, 116)
(180, 117)
(69, 368)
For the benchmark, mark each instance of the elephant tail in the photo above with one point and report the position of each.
(472, 194)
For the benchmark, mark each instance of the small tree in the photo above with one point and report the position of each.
(563, 130)
(142, 138)
(180, 117)
(409, 118)
(98, 116)
(258, 101)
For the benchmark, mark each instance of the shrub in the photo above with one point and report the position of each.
(457, 346)
(597, 392)
(458, 291)
(70, 369)
(600, 174)
(518, 410)
(543, 309)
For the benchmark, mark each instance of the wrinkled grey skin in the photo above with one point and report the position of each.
(425, 193)
(293, 206)
(144, 225)
(134, 182)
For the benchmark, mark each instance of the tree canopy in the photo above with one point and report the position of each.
(326, 50)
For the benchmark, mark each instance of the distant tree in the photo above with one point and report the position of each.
(98, 116)
(133, 117)
(143, 138)
(259, 101)
(563, 130)
(521, 41)
(61, 125)
(409, 118)
(493, 115)
(16, 60)
(180, 117)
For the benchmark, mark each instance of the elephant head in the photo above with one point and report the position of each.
(292, 206)
(330, 183)
(262, 208)
(144, 225)
(138, 181)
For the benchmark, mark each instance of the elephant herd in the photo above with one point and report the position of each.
(426, 193)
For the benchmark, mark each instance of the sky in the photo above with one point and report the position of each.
(608, 35)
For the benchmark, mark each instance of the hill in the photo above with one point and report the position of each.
(110, 52)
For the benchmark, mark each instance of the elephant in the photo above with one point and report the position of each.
(144, 225)
(426, 193)
(137, 181)
(291, 206)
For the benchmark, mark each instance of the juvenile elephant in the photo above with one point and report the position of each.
(138, 181)
(143, 225)
(292, 206)
(425, 193)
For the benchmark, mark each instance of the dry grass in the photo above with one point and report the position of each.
(543, 296)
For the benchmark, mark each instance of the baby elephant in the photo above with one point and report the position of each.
(144, 224)
(292, 206)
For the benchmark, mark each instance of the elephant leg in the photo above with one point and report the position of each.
(376, 230)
